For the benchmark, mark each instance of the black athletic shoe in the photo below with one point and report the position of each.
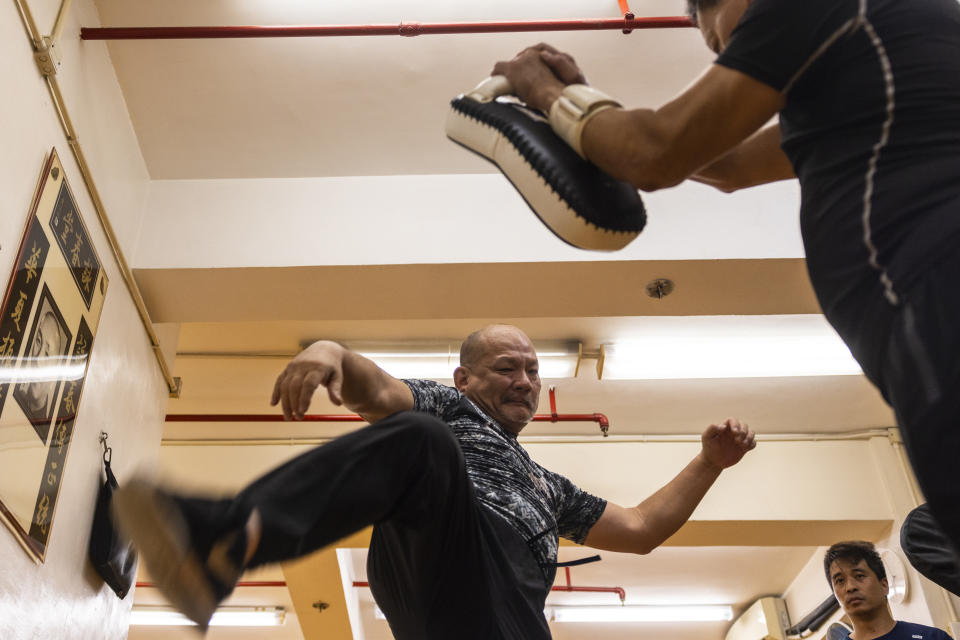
(193, 580)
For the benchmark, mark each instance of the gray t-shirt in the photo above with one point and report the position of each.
(539, 504)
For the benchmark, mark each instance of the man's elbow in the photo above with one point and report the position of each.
(648, 183)
(643, 549)
(642, 540)
(726, 187)
(655, 169)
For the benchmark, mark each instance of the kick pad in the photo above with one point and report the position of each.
(577, 201)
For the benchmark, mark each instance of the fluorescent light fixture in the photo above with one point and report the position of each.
(223, 617)
(641, 613)
(731, 347)
(439, 365)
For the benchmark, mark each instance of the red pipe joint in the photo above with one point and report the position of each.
(569, 588)
(409, 29)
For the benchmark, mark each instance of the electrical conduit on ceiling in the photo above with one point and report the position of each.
(640, 438)
(46, 54)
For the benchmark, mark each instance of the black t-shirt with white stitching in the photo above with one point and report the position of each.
(872, 127)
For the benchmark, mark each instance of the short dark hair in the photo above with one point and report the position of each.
(854, 551)
(472, 348)
(697, 5)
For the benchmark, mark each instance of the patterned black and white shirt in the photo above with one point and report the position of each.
(539, 504)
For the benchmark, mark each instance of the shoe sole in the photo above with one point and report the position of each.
(156, 526)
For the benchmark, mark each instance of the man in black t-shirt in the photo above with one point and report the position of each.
(859, 582)
(466, 524)
(868, 98)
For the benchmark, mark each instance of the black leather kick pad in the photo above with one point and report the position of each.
(608, 204)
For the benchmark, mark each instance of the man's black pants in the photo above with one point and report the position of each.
(918, 371)
(440, 564)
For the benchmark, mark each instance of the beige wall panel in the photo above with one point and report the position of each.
(506, 290)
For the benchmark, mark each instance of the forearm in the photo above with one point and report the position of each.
(655, 149)
(637, 146)
(369, 390)
(758, 160)
(664, 512)
(633, 145)
(646, 526)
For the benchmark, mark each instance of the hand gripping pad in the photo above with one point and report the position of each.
(577, 201)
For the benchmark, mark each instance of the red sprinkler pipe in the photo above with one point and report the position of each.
(599, 418)
(259, 417)
(409, 29)
(250, 583)
(567, 588)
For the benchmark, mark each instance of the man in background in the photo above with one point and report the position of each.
(859, 581)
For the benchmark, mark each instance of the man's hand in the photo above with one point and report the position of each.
(725, 444)
(319, 364)
(646, 526)
(539, 73)
(562, 64)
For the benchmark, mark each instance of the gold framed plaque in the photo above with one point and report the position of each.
(50, 315)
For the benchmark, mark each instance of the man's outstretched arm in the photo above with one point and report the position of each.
(643, 528)
(350, 379)
(655, 148)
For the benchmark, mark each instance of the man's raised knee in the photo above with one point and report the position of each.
(425, 425)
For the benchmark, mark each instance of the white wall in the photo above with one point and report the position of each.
(436, 219)
(124, 393)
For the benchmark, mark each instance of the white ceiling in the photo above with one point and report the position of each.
(374, 106)
(255, 108)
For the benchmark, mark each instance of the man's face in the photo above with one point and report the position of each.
(505, 380)
(46, 342)
(857, 588)
(717, 23)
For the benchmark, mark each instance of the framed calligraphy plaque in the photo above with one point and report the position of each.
(50, 314)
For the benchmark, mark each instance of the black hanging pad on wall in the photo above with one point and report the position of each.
(112, 556)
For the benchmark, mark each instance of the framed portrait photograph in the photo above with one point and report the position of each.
(48, 321)
(47, 347)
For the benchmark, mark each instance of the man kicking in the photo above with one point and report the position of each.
(466, 525)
